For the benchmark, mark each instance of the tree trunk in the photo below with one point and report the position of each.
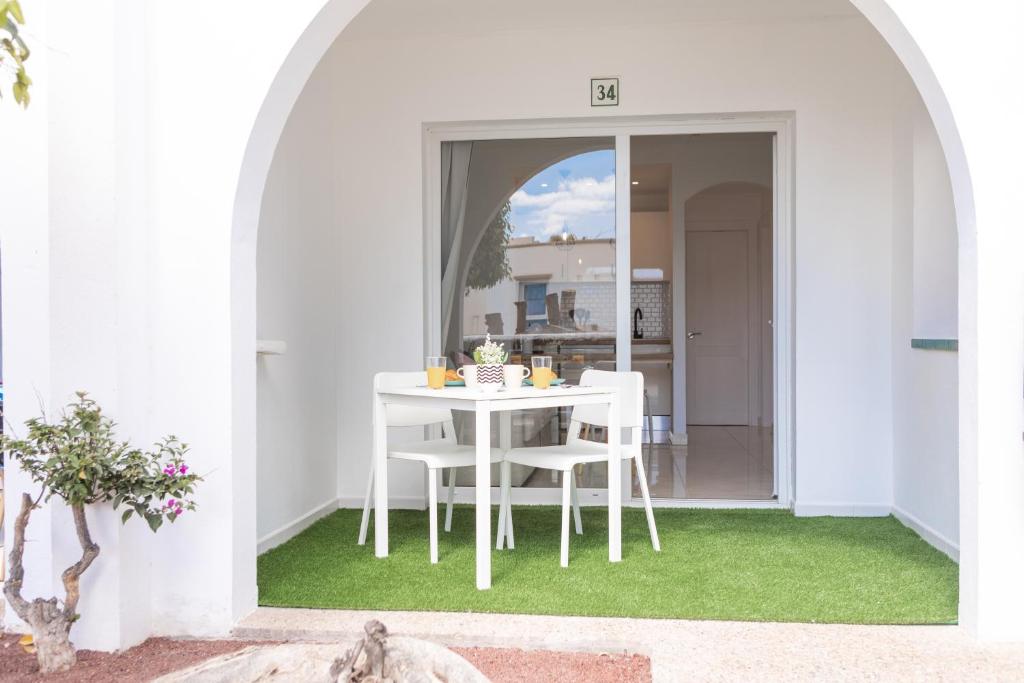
(50, 631)
(50, 623)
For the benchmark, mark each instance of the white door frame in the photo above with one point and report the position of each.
(622, 129)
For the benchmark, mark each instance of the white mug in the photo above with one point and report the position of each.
(468, 373)
(514, 375)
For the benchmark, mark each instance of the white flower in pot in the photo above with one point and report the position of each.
(490, 358)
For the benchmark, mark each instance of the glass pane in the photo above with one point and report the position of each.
(701, 219)
(528, 257)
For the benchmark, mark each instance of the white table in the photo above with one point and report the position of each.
(483, 404)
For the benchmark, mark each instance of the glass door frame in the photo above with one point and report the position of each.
(622, 129)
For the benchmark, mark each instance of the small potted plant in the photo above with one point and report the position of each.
(490, 359)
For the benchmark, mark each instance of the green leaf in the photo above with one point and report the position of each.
(489, 264)
(15, 9)
(125, 516)
(154, 521)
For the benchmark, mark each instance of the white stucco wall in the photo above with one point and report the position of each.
(297, 272)
(935, 239)
(117, 247)
(76, 288)
(925, 476)
(834, 74)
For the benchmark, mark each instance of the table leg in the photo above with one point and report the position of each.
(614, 482)
(505, 443)
(483, 495)
(380, 478)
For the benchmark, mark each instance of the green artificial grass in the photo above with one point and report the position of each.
(755, 565)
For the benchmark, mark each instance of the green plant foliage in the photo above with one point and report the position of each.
(78, 459)
(490, 261)
(13, 50)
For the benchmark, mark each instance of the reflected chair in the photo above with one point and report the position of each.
(495, 325)
(435, 454)
(553, 310)
(520, 317)
(578, 451)
(568, 307)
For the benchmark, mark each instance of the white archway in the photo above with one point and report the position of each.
(310, 47)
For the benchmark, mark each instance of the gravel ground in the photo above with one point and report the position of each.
(155, 657)
(159, 656)
(507, 666)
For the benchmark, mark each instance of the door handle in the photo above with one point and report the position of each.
(691, 335)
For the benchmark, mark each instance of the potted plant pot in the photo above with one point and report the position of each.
(490, 376)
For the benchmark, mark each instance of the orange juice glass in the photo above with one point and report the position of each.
(542, 372)
(436, 366)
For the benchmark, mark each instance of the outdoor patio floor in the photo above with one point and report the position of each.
(742, 565)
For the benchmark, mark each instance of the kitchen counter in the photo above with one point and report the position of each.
(577, 337)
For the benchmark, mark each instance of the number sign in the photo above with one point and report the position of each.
(604, 92)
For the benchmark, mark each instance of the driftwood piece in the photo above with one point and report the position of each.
(285, 663)
(376, 658)
(382, 658)
(50, 622)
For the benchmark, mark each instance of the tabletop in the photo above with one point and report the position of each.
(475, 395)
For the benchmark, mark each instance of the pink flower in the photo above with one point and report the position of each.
(183, 469)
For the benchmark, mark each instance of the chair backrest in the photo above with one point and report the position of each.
(406, 416)
(520, 317)
(631, 398)
(551, 304)
(567, 304)
(495, 325)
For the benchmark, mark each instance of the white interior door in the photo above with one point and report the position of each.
(717, 293)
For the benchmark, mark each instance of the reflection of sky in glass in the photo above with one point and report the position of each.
(577, 194)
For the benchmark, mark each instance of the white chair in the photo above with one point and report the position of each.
(436, 454)
(577, 451)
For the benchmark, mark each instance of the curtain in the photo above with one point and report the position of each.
(455, 160)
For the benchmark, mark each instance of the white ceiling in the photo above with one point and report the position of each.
(651, 178)
(397, 18)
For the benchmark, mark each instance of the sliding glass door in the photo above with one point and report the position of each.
(654, 253)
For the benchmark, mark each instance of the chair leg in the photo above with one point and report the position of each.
(650, 425)
(565, 520)
(505, 509)
(647, 501)
(364, 523)
(432, 511)
(575, 494)
(451, 499)
(505, 529)
(510, 537)
(502, 507)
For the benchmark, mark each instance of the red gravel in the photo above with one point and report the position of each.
(155, 657)
(503, 666)
(159, 656)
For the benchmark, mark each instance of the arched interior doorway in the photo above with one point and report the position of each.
(839, 227)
